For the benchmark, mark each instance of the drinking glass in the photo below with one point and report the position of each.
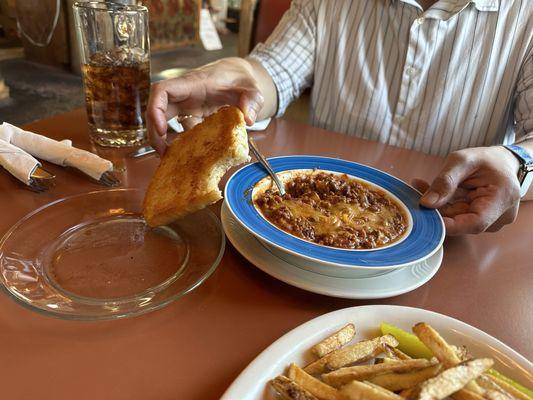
(115, 60)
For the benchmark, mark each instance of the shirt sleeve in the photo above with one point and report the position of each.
(288, 55)
(524, 101)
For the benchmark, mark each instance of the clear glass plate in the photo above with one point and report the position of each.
(91, 256)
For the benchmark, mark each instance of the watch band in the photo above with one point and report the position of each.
(525, 173)
(520, 153)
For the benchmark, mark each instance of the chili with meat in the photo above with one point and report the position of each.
(334, 210)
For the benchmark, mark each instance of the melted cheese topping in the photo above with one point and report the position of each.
(342, 215)
(352, 223)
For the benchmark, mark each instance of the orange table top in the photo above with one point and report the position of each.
(195, 347)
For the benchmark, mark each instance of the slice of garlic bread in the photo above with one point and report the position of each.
(187, 178)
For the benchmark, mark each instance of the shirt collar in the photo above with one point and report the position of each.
(487, 5)
(457, 5)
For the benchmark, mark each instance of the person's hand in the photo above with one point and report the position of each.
(199, 93)
(477, 190)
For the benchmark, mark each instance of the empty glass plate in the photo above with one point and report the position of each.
(91, 256)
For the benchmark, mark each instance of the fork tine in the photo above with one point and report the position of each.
(112, 177)
(45, 182)
(36, 187)
(103, 181)
(108, 179)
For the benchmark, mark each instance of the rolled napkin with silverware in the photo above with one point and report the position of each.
(17, 162)
(60, 153)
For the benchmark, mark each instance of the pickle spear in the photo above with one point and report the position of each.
(408, 343)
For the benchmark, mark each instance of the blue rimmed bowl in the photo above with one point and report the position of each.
(424, 236)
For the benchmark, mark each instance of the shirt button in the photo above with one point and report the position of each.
(420, 20)
(410, 71)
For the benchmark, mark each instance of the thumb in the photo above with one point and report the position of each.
(443, 187)
(250, 103)
(419, 184)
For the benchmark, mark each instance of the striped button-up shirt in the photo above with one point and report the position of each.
(459, 74)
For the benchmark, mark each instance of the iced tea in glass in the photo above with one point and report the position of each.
(115, 58)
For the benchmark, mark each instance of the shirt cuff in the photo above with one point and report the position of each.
(279, 75)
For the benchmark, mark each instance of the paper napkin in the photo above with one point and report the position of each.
(17, 162)
(60, 153)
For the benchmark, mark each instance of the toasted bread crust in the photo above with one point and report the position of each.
(188, 176)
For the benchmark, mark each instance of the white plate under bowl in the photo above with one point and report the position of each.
(328, 269)
(394, 283)
(251, 384)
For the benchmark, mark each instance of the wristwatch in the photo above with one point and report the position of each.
(525, 173)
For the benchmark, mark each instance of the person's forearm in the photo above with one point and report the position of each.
(267, 89)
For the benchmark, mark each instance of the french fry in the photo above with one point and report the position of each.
(389, 360)
(345, 375)
(382, 360)
(335, 341)
(317, 388)
(462, 394)
(490, 386)
(508, 388)
(461, 352)
(356, 390)
(395, 353)
(465, 394)
(510, 382)
(379, 388)
(398, 381)
(497, 395)
(441, 349)
(290, 390)
(486, 383)
(387, 350)
(351, 354)
(438, 346)
(411, 393)
(453, 379)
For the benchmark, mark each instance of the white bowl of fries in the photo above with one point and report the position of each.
(343, 355)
